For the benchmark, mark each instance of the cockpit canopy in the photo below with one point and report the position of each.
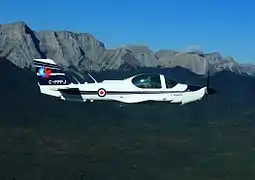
(152, 81)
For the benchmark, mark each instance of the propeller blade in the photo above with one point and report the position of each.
(208, 80)
(209, 91)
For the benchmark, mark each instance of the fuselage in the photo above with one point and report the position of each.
(139, 88)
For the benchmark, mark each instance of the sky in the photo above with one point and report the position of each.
(227, 27)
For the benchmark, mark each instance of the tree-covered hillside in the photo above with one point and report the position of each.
(44, 138)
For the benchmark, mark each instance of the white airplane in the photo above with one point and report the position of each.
(139, 88)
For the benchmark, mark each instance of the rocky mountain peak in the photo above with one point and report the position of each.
(140, 49)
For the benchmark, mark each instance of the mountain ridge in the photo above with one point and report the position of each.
(82, 51)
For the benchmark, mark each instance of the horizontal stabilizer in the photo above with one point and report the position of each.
(70, 90)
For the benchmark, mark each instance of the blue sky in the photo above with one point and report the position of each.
(224, 26)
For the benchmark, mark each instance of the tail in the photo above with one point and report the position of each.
(50, 77)
(49, 73)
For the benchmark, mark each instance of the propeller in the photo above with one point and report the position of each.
(209, 90)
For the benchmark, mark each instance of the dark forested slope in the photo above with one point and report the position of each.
(45, 138)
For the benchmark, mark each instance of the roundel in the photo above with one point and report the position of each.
(101, 92)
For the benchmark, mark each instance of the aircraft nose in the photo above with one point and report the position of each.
(194, 87)
(210, 91)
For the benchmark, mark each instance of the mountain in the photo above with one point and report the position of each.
(83, 52)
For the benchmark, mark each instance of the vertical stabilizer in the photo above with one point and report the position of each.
(50, 77)
(49, 73)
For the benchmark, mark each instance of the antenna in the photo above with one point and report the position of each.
(92, 78)
(76, 80)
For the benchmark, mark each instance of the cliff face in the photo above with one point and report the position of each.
(83, 52)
